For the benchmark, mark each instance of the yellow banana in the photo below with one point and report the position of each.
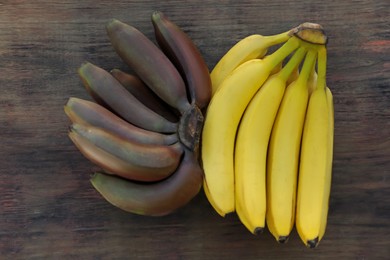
(283, 153)
(251, 47)
(222, 119)
(316, 161)
(251, 147)
(325, 204)
(210, 199)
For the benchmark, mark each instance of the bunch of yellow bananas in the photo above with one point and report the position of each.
(267, 140)
(143, 130)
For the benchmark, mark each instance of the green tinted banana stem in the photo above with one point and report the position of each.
(280, 54)
(307, 67)
(292, 64)
(277, 38)
(322, 60)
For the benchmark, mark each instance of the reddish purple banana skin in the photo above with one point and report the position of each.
(182, 51)
(154, 156)
(144, 94)
(89, 113)
(149, 63)
(116, 166)
(105, 88)
(156, 199)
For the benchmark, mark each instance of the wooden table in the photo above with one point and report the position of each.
(48, 208)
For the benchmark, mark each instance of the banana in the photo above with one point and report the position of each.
(149, 63)
(222, 118)
(325, 205)
(114, 165)
(316, 157)
(144, 94)
(89, 113)
(283, 153)
(147, 162)
(181, 50)
(106, 88)
(251, 147)
(210, 199)
(156, 199)
(251, 47)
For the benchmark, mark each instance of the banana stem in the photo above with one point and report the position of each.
(307, 66)
(292, 63)
(278, 38)
(280, 54)
(322, 59)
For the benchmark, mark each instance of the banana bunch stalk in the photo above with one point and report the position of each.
(143, 129)
(267, 140)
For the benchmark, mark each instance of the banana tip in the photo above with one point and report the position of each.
(72, 128)
(83, 67)
(156, 14)
(115, 70)
(258, 230)
(283, 239)
(313, 243)
(69, 102)
(112, 22)
(95, 178)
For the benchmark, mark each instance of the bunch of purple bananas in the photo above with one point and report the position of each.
(143, 129)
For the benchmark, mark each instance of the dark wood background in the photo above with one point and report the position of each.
(49, 210)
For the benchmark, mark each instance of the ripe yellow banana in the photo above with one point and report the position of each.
(210, 199)
(283, 153)
(316, 157)
(252, 47)
(251, 147)
(222, 119)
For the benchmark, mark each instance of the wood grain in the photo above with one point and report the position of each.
(49, 210)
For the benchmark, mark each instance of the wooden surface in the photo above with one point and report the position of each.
(49, 210)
